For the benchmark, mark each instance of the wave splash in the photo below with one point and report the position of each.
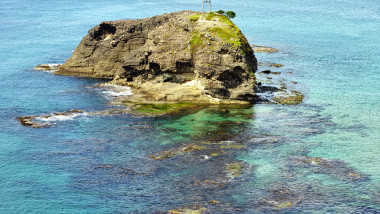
(114, 91)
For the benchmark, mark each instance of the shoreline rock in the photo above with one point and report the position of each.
(47, 67)
(47, 120)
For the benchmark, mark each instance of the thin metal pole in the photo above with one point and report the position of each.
(209, 3)
(203, 5)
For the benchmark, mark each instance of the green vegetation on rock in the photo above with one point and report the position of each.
(228, 33)
(231, 34)
(221, 12)
(210, 16)
(222, 33)
(194, 18)
(195, 41)
(226, 20)
(230, 14)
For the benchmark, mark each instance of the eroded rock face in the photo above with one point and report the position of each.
(174, 48)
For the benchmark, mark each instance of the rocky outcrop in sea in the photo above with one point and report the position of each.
(184, 56)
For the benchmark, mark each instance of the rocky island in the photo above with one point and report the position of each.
(183, 56)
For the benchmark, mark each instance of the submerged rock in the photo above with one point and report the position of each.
(181, 56)
(335, 168)
(270, 72)
(109, 111)
(214, 202)
(291, 97)
(270, 64)
(263, 89)
(196, 209)
(159, 108)
(235, 169)
(281, 198)
(172, 153)
(264, 49)
(210, 150)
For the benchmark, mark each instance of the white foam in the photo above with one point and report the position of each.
(54, 118)
(53, 65)
(117, 91)
(206, 157)
(49, 68)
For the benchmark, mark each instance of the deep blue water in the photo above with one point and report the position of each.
(102, 164)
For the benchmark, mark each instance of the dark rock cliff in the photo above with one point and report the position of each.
(182, 56)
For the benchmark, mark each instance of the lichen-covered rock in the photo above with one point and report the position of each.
(181, 56)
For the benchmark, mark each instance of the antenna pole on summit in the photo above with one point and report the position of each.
(203, 5)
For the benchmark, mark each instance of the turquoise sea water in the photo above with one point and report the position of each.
(102, 164)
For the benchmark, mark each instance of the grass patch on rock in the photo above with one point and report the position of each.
(229, 32)
(194, 18)
(195, 41)
(229, 35)
(223, 34)
(211, 15)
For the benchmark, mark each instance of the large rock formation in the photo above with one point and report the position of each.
(181, 56)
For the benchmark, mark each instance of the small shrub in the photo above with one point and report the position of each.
(230, 14)
(221, 12)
